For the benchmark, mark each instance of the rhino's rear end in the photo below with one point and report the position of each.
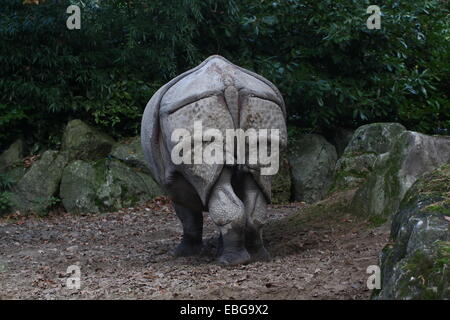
(221, 96)
(216, 98)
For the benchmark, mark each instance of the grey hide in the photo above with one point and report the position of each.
(223, 96)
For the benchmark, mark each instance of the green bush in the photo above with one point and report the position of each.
(334, 71)
(331, 69)
(103, 73)
(5, 203)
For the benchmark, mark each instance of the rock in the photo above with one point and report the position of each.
(11, 156)
(281, 183)
(124, 187)
(130, 152)
(376, 138)
(85, 143)
(412, 155)
(36, 189)
(78, 188)
(416, 264)
(106, 185)
(15, 174)
(312, 161)
(367, 144)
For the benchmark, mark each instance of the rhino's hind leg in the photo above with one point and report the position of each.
(192, 221)
(256, 214)
(227, 212)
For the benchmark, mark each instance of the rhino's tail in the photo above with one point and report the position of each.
(231, 95)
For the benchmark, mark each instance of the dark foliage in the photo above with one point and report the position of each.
(332, 70)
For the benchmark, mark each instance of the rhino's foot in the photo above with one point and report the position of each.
(254, 243)
(260, 254)
(186, 249)
(234, 258)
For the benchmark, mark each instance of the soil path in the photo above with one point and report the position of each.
(124, 255)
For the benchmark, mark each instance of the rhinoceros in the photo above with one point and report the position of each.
(223, 96)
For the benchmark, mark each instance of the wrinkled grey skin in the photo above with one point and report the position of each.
(223, 96)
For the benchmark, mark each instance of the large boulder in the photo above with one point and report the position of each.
(412, 155)
(415, 265)
(78, 187)
(312, 160)
(105, 185)
(367, 144)
(123, 186)
(36, 189)
(130, 152)
(11, 156)
(83, 142)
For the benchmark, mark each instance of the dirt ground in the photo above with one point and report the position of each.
(317, 254)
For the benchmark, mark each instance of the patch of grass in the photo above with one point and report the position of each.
(443, 255)
(377, 221)
(427, 275)
(434, 188)
(442, 207)
(438, 181)
(5, 203)
(46, 204)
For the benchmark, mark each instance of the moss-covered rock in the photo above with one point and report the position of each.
(124, 186)
(11, 156)
(36, 190)
(312, 160)
(359, 157)
(78, 187)
(416, 264)
(105, 185)
(412, 155)
(83, 142)
(130, 152)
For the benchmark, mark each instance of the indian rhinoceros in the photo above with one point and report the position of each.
(223, 96)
